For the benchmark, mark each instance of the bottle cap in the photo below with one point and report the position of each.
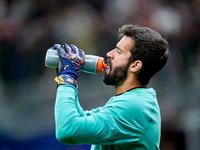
(101, 65)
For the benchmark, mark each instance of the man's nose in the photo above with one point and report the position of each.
(110, 54)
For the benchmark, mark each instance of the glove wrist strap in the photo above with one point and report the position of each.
(66, 79)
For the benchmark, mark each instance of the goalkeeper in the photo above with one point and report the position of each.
(131, 119)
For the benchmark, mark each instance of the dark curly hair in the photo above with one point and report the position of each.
(149, 47)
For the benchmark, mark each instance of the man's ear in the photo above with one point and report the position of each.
(135, 66)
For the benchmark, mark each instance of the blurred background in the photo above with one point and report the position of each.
(27, 90)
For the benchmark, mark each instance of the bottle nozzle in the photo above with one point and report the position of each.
(104, 66)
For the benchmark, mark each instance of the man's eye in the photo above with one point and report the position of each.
(119, 52)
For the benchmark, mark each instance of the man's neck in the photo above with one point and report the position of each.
(127, 86)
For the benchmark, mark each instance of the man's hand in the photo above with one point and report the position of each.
(71, 59)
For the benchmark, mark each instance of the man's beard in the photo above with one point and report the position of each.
(117, 76)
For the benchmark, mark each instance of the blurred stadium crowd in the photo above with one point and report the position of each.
(27, 91)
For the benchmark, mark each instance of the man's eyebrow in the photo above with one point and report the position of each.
(119, 48)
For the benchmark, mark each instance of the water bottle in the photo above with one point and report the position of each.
(92, 64)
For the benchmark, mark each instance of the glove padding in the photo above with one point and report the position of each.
(71, 59)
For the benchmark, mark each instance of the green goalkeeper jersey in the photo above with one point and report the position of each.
(129, 121)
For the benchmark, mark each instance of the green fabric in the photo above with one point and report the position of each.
(128, 121)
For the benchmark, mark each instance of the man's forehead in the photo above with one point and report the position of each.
(125, 42)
